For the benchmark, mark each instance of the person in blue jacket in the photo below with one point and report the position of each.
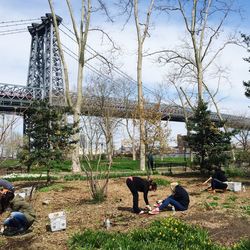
(4, 184)
(179, 200)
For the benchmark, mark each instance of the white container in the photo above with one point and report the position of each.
(27, 191)
(107, 223)
(57, 221)
(23, 195)
(234, 186)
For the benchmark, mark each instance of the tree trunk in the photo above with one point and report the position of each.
(76, 167)
(140, 104)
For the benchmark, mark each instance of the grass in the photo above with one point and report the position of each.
(8, 163)
(80, 177)
(162, 182)
(53, 187)
(234, 172)
(246, 209)
(168, 234)
(172, 159)
(118, 164)
(216, 198)
(232, 198)
(27, 177)
(227, 205)
(209, 205)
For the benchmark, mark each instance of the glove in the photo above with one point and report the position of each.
(148, 208)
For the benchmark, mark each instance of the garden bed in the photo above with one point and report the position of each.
(226, 216)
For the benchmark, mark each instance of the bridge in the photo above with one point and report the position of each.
(17, 98)
(45, 80)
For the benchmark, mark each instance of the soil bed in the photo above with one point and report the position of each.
(222, 214)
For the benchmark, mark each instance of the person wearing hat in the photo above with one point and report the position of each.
(179, 199)
(138, 184)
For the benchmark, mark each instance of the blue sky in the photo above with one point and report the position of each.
(167, 31)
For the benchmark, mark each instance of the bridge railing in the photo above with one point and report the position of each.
(20, 92)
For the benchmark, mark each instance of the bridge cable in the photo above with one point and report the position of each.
(12, 33)
(13, 30)
(92, 52)
(117, 70)
(18, 21)
(89, 66)
(123, 73)
(11, 25)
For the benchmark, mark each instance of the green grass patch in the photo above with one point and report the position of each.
(161, 182)
(234, 172)
(8, 163)
(56, 166)
(216, 198)
(211, 204)
(180, 160)
(227, 205)
(28, 177)
(167, 234)
(242, 245)
(246, 209)
(232, 198)
(118, 164)
(53, 187)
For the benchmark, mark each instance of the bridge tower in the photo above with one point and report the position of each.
(45, 68)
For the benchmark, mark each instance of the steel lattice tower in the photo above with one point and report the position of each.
(45, 68)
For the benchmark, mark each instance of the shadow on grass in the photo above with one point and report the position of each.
(128, 209)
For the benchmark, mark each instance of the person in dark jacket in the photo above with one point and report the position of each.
(21, 218)
(137, 184)
(150, 161)
(218, 180)
(179, 199)
(6, 193)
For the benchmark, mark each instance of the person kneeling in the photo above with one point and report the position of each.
(179, 199)
(21, 218)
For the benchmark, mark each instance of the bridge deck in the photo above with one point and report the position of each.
(17, 98)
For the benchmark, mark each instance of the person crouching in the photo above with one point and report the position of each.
(137, 184)
(21, 218)
(179, 199)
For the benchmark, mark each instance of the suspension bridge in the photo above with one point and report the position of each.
(45, 80)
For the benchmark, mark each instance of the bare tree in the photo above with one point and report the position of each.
(9, 139)
(142, 30)
(201, 48)
(92, 133)
(132, 135)
(243, 138)
(105, 93)
(97, 177)
(128, 93)
(81, 36)
(157, 131)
